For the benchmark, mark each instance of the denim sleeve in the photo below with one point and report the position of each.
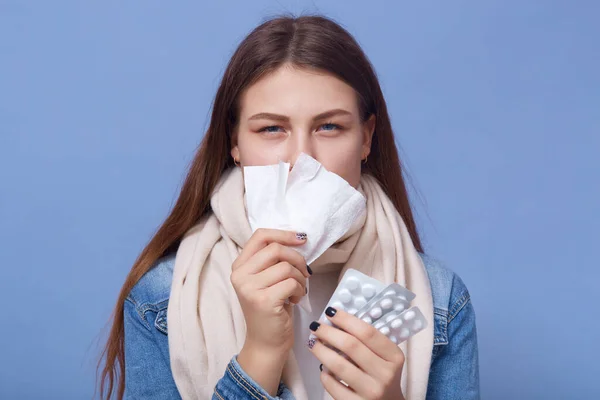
(147, 367)
(454, 370)
(236, 384)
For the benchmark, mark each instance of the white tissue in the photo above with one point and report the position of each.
(306, 199)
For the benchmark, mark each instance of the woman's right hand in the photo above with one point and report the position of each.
(266, 274)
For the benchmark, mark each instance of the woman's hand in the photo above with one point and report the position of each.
(376, 367)
(265, 275)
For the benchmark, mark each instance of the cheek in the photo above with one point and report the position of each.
(255, 151)
(343, 163)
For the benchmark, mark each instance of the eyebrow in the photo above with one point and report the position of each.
(284, 118)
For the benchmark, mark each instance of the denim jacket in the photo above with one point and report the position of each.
(454, 371)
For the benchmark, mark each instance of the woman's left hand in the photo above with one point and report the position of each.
(376, 367)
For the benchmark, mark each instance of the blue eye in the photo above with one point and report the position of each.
(266, 129)
(335, 126)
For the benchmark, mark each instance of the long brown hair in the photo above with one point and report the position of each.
(314, 42)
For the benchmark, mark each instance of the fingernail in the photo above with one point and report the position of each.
(314, 326)
(321, 367)
(330, 312)
(301, 236)
(306, 290)
(309, 270)
(311, 343)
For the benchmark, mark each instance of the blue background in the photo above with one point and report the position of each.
(495, 105)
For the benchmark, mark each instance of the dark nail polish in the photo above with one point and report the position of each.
(311, 343)
(330, 312)
(305, 290)
(301, 236)
(314, 326)
(309, 270)
(321, 367)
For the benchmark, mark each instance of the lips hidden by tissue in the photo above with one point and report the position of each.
(306, 199)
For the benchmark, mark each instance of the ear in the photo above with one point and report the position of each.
(368, 131)
(235, 153)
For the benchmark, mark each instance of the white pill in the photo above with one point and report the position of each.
(379, 324)
(404, 333)
(352, 283)
(345, 295)
(387, 303)
(375, 312)
(338, 305)
(397, 323)
(390, 318)
(351, 311)
(399, 307)
(359, 302)
(390, 292)
(410, 314)
(401, 297)
(393, 339)
(385, 330)
(417, 325)
(367, 319)
(368, 291)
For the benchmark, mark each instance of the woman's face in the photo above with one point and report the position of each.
(293, 111)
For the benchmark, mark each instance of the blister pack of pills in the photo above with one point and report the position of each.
(394, 297)
(387, 308)
(398, 326)
(352, 293)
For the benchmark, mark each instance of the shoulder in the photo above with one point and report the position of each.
(449, 292)
(154, 287)
(455, 355)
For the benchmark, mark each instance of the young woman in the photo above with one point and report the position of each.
(203, 312)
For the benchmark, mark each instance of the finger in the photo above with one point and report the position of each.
(271, 255)
(356, 350)
(366, 333)
(342, 368)
(277, 273)
(337, 389)
(289, 288)
(261, 238)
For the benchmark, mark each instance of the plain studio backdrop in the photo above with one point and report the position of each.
(495, 105)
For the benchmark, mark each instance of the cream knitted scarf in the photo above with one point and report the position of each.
(206, 323)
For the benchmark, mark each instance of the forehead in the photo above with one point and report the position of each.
(297, 92)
